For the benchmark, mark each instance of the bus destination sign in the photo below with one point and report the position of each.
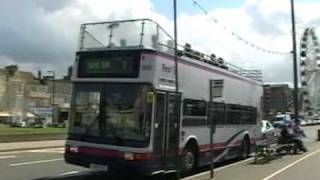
(108, 66)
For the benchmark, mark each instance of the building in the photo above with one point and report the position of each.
(37, 97)
(278, 98)
(13, 93)
(60, 97)
(25, 97)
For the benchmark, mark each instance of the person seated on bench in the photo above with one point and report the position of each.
(297, 136)
(293, 134)
(285, 136)
(286, 141)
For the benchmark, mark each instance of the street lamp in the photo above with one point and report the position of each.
(175, 30)
(53, 93)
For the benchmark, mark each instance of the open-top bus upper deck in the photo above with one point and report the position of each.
(127, 40)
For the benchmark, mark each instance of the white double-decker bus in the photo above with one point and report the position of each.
(126, 113)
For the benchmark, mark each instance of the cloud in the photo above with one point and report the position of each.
(43, 34)
(260, 22)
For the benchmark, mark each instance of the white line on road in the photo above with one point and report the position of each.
(290, 165)
(13, 152)
(25, 151)
(36, 162)
(217, 169)
(51, 150)
(7, 157)
(68, 173)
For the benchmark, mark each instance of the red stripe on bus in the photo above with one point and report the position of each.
(100, 152)
(206, 147)
(114, 154)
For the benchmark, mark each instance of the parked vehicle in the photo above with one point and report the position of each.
(267, 129)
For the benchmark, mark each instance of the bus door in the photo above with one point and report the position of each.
(166, 129)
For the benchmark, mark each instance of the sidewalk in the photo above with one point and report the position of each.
(14, 146)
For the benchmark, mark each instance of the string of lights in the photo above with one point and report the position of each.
(237, 36)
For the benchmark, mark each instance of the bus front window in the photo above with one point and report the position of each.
(123, 114)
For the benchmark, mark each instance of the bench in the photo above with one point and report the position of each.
(270, 147)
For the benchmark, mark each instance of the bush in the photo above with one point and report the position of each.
(57, 125)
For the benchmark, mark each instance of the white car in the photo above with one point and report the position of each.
(303, 122)
(267, 129)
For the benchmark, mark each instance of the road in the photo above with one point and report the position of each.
(32, 164)
(288, 167)
(49, 164)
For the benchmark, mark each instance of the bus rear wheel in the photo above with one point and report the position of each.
(245, 149)
(190, 158)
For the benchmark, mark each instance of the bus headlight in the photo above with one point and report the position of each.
(73, 149)
(128, 156)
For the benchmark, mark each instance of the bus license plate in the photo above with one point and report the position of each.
(99, 167)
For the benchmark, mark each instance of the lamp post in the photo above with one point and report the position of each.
(53, 93)
(178, 166)
(295, 61)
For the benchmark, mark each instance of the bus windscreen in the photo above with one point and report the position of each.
(114, 65)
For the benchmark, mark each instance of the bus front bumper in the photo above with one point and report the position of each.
(144, 167)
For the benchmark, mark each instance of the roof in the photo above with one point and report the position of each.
(22, 75)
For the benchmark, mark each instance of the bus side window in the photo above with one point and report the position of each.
(194, 107)
(245, 114)
(253, 115)
(217, 112)
(248, 115)
(233, 114)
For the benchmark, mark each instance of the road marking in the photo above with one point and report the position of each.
(25, 151)
(217, 169)
(68, 173)
(51, 150)
(290, 165)
(12, 152)
(7, 157)
(36, 162)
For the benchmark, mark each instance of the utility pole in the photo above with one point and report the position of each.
(295, 64)
(53, 94)
(175, 44)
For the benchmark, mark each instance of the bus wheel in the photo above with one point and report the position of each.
(245, 149)
(190, 158)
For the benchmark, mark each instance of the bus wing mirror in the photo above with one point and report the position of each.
(150, 97)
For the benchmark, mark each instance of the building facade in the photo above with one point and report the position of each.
(60, 98)
(278, 98)
(25, 97)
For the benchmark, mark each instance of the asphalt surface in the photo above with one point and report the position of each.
(31, 164)
(288, 167)
(48, 164)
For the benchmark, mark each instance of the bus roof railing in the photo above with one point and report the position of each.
(147, 34)
(216, 61)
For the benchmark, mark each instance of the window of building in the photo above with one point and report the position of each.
(194, 107)
(33, 88)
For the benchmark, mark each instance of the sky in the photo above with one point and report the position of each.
(43, 34)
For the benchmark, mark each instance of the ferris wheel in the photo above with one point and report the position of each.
(310, 72)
